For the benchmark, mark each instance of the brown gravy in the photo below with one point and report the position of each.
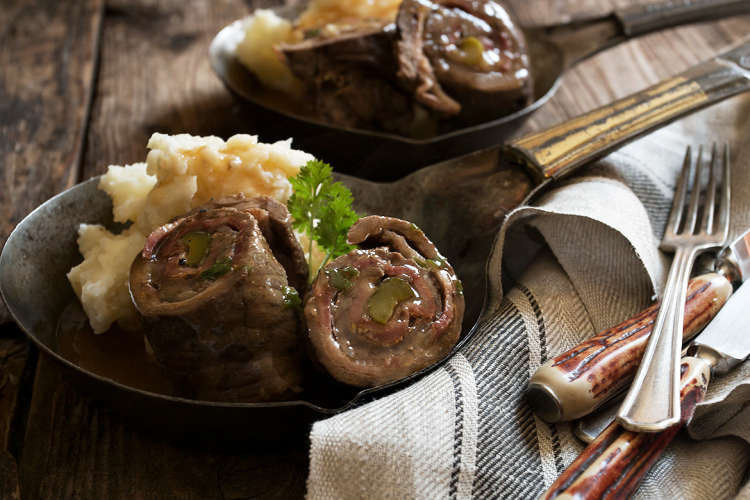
(117, 354)
(120, 355)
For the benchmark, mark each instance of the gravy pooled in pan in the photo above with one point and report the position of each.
(217, 289)
(387, 309)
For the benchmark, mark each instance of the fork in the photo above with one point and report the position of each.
(653, 401)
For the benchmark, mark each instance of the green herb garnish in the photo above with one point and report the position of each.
(311, 33)
(321, 208)
(217, 269)
(341, 278)
(291, 298)
(429, 263)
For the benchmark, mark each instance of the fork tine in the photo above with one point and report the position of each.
(675, 214)
(723, 222)
(707, 219)
(695, 194)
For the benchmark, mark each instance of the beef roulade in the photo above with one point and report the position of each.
(351, 79)
(463, 58)
(387, 309)
(219, 291)
(444, 63)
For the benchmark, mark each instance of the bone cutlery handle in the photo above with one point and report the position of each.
(614, 463)
(580, 380)
(563, 148)
(645, 17)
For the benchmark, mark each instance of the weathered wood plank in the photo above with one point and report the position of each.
(76, 449)
(14, 355)
(47, 54)
(9, 476)
(155, 76)
(47, 58)
(628, 67)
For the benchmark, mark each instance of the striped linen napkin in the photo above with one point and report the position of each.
(465, 430)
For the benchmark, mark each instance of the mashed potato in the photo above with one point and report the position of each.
(265, 30)
(128, 187)
(180, 173)
(101, 280)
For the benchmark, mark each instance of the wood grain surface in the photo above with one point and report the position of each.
(48, 58)
(76, 449)
(47, 54)
(15, 379)
(155, 76)
(143, 67)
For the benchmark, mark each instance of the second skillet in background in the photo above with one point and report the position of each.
(380, 155)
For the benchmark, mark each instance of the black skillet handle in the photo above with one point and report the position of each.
(561, 149)
(643, 18)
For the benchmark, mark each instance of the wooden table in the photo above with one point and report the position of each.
(83, 84)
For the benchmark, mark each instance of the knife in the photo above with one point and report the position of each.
(578, 381)
(733, 262)
(614, 463)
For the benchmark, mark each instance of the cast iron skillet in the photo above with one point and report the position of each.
(388, 156)
(459, 203)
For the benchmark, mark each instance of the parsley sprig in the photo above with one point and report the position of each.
(321, 208)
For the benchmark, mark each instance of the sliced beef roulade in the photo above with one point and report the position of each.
(463, 58)
(444, 63)
(217, 291)
(387, 309)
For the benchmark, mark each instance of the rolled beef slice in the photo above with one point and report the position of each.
(443, 63)
(217, 289)
(387, 309)
(463, 58)
(350, 78)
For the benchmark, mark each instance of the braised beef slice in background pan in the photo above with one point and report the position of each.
(387, 309)
(351, 79)
(214, 289)
(443, 64)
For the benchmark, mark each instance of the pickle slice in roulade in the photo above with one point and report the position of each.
(387, 309)
(217, 289)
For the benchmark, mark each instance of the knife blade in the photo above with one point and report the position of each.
(617, 459)
(578, 381)
(733, 260)
(725, 342)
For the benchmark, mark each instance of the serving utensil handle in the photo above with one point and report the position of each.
(616, 461)
(643, 18)
(561, 149)
(582, 379)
